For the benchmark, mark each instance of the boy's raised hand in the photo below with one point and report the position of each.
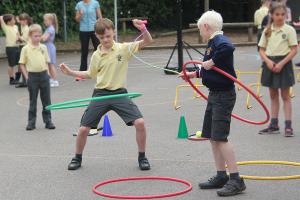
(139, 24)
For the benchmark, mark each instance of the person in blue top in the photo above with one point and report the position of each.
(87, 13)
(221, 100)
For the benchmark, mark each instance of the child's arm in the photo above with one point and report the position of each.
(24, 71)
(3, 25)
(189, 74)
(269, 62)
(147, 38)
(278, 67)
(45, 37)
(66, 70)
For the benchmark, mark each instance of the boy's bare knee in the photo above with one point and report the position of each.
(83, 130)
(139, 123)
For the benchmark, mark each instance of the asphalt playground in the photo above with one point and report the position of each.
(33, 165)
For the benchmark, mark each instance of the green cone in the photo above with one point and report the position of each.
(182, 131)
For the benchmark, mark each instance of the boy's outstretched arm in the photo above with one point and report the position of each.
(66, 70)
(147, 38)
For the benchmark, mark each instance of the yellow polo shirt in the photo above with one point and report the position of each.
(110, 69)
(280, 41)
(11, 34)
(24, 34)
(35, 59)
(259, 16)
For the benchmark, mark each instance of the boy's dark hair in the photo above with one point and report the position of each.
(25, 16)
(7, 18)
(103, 24)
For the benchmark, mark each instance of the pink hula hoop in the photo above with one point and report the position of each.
(143, 178)
(236, 81)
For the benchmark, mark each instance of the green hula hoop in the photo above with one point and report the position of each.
(77, 103)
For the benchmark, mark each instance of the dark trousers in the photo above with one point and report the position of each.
(38, 81)
(85, 41)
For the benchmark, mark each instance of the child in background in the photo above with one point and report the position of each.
(8, 24)
(221, 100)
(34, 63)
(259, 16)
(50, 21)
(278, 45)
(25, 21)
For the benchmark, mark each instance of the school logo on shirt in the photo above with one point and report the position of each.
(119, 57)
(284, 36)
(208, 51)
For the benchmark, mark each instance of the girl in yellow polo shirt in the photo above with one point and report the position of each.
(278, 45)
(34, 62)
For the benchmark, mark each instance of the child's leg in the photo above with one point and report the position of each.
(287, 104)
(219, 159)
(46, 100)
(81, 139)
(53, 72)
(140, 128)
(274, 94)
(33, 94)
(139, 125)
(227, 154)
(11, 72)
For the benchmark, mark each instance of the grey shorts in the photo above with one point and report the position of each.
(13, 56)
(216, 124)
(123, 106)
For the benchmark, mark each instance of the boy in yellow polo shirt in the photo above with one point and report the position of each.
(109, 65)
(34, 63)
(12, 48)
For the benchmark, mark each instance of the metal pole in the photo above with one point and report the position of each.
(206, 5)
(116, 19)
(179, 35)
(65, 21)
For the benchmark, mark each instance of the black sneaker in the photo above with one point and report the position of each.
(269, 130)
(232, 187)
(49, 125)
(144, 163)
(214, 182)
(21, 85)
(12, 81)
(74, 164)
(30, 127)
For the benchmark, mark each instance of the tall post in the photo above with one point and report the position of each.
(179, 35)
(116, 19)
(206, 5)
(65, 21)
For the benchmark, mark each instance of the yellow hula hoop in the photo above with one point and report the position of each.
(270, 162)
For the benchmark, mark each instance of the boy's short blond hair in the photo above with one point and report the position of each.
(213, 19)
(35, 28)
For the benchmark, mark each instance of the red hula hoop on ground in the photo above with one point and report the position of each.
(236, 81)
(143, 178)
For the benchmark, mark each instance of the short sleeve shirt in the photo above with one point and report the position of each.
(110, 69)
(11, 33)
(35, 59)
(280, 41)
(89, 17)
